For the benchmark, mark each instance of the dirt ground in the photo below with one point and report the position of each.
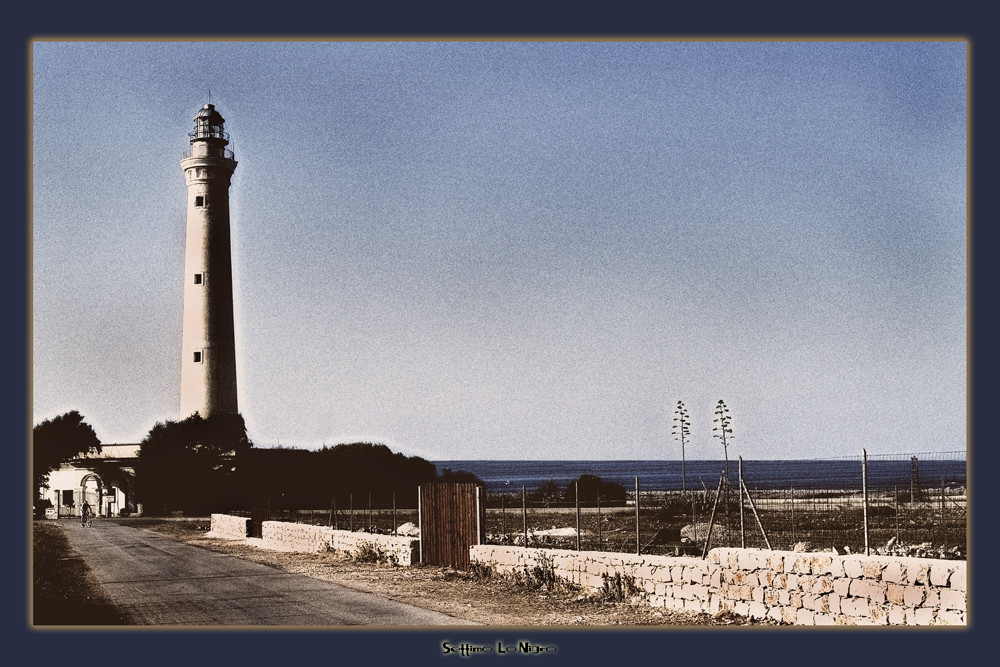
(490, 601)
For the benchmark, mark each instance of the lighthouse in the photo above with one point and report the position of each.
(208, 368)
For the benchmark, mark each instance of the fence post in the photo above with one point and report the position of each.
(711, 521)
(864, 495)
(393, 513)
(420, 524)
(743, 532)
(480, 513)
(944, 532)
(524, 513)
(694, 514)
(791, 502)
(895, 495)
(600, 537)
(371, 527)
(638, 544)
(503, 519)
(350, 499)
(753, 507)
(577, 485)
(333, 505)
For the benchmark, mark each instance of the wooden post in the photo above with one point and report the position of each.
(350, 499)
(864, 496)
(394, 513)
(333, 506)
(420, 525)
(371, 528)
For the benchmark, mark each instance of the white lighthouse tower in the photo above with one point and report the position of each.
(208, 368)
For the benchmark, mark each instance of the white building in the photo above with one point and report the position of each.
(104, 481)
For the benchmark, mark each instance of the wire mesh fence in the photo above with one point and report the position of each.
(904, 505)
(911, 505)
(383, 513)
(914, 505)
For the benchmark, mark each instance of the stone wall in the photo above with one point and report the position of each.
(296, 536)
(313, 539)
(230, 526)
(399, 550)
(798, 588)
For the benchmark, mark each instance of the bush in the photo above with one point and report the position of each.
(541, 575)
(369, 552)
(593, 487)
(618, 588)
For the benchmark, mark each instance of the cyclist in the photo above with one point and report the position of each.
(85, 515)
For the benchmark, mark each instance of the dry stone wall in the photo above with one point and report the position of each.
(230, 526)
(399, 550)
(296, 536)
(312, 539)
(306, 538)
(791, 587)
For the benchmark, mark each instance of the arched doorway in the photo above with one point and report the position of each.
(92, 493)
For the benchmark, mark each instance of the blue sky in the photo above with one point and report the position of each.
(526, 250)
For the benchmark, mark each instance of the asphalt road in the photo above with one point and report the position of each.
(158, 581)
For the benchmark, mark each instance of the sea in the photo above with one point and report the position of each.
(932, 470)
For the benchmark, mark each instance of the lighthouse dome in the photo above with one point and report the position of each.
(209, 113)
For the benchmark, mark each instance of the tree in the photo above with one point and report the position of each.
(723, 419)
(287, 478)
(191, 465)
(57, 440)
(449, 475)
(364, 467)
(593, 487)
(548, 492)
(681, 432)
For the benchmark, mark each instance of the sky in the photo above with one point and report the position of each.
(518, 250)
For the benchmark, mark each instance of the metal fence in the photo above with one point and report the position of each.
(913, 505)
(910, 505)
(384, 513)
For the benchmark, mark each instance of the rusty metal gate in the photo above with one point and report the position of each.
(451, 520)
